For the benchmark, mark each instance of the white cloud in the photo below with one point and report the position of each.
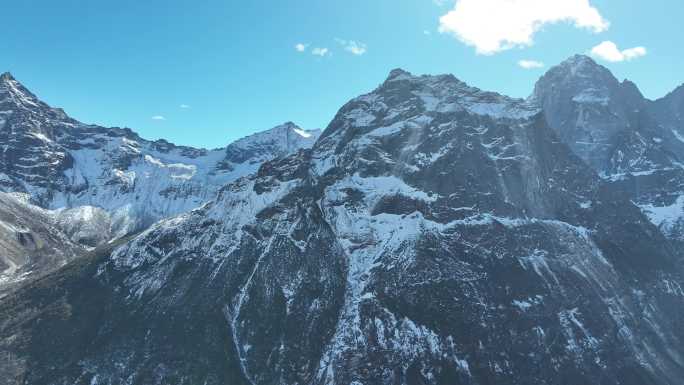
(184, 106)
(427, 32)
(320, 51)
(158, 117)
(301, 47)
(354, 47)
(493, 26)
(609, 51)
(530, 64)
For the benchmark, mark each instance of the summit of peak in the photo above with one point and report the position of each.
(14, 96)
(398, 74)
(279, 132)
(281, 140)
(579, 60)
(6, 77)
(19, 94)
(288, 125)
(580, 66)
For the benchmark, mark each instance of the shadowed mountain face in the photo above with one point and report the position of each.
(635, 144)
(434, 234)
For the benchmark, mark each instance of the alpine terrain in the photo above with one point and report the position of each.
(433, 233)
(110, 180)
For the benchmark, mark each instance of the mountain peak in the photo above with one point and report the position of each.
(287, 125)
(17, 92)
(575, 75)
(579, 60)
(631, 89)
(582, 66)
(398, 74)
(277, 141)
(6, 77)
(291, 127)
(587, 106)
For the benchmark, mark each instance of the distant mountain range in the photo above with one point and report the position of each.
(433, 233)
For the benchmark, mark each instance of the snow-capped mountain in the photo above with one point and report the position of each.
(635, 143)
(434, 234)
(258, 148)
(62, 163)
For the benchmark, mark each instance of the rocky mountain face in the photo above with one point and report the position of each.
(632, 142)
(62, 163)
(669, 109)
(35, 241)
(434, 234)
(31, 242)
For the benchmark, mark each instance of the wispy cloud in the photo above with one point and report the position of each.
(530, 64)
(492, 26)
(184, 107)
(158, 117)
(301, 47)
(354, 47)
(317, 51)
(427, 32)
(609, 51)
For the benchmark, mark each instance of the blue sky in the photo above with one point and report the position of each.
(235, 68)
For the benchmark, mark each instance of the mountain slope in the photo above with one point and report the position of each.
(63, 163)
(434, 234)
(31, 242)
